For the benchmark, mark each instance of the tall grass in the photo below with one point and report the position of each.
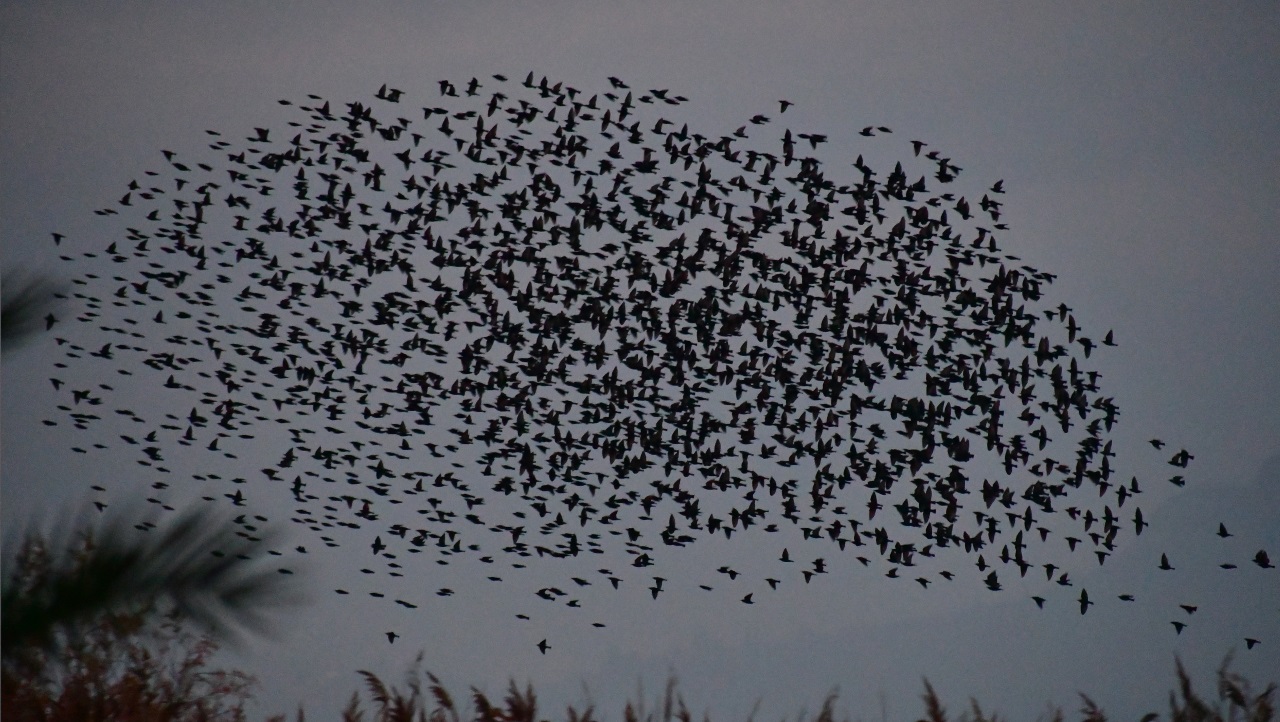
(415, 702)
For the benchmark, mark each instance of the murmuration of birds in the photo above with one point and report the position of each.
(528, 322)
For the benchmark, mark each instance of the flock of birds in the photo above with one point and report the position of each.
(532, 322)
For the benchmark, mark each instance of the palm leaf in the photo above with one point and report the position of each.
(196, 565)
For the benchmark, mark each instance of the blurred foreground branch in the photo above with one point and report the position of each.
(26, 307)
(194, 566)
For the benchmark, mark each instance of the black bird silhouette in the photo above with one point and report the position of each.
(1084, 601)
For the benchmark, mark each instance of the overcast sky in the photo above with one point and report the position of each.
(1138, 149)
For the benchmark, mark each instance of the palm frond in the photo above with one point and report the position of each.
(197, 566)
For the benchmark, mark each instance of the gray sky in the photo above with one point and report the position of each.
(1138, 151)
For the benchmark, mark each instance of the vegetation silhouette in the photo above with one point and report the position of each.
(75, 650)
(195, 567)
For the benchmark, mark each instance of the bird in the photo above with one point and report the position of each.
(1178, 626)
(391, 637)
(1164, 563)
(543, 646)
(1222, 531)
(618, 336)
(1250, 643)
(1138, 523)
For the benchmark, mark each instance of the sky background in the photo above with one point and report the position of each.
(1138, 149)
